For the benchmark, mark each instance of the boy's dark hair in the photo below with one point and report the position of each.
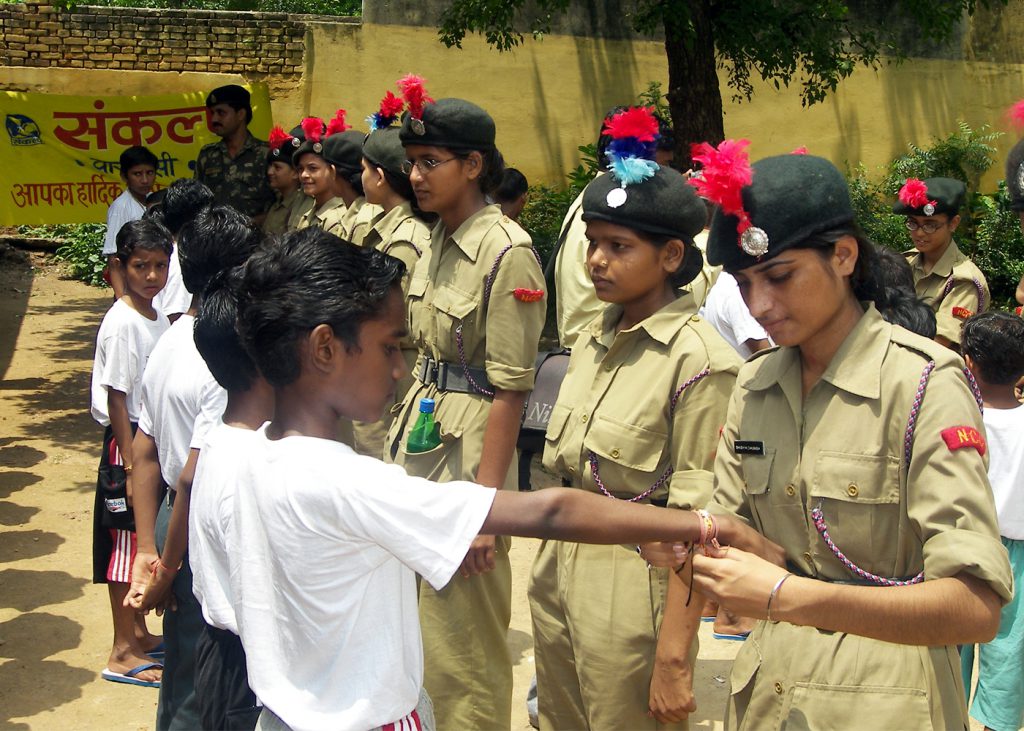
(513, 185)
(995, 342)
(183, 201)
(137, 155)
(143, 234)
(902, 306)
(304, 279)
(156, 213)
(218, 238)
(156, 198)
(894, 269)
(217, 337)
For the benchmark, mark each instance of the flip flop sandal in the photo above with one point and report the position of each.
(738, 637)
(130, 677)
(157, 653)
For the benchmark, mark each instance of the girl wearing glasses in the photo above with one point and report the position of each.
(637, 419)
(943, 277)
(476, 310)
(859, 448)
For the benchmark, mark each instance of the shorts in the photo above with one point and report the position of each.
(113, 535)
(222, 685)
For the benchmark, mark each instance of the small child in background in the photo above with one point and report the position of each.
(138, 171)
(993, 347)
(125, 340)
(513, 193)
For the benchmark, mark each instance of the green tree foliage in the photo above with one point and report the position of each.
(81, 248)
(815, 43)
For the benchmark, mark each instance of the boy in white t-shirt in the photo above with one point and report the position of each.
(183, 200)
(993, 347)
(138, 171)
(126, 337)
(181, 403)
(329, 542)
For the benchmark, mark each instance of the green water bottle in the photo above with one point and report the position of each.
(426, 433)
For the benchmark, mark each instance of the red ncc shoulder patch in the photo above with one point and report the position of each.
(528, 295)
(961, 313)
(958, 437)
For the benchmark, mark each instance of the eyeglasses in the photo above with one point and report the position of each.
(425, 166)
(929, 227)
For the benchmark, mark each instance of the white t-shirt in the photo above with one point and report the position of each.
(326, 589)
(124, 209)
(726, 311)
(181, 401)
(212, 540)
(173, 299)
(1004, 430)
(123, 345)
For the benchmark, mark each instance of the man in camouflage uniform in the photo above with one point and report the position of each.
(235, 168)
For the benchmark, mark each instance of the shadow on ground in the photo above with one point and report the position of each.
(27, 591)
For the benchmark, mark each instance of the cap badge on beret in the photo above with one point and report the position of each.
(914, 194)
(724, 173)
(634, 133)
(278, 138)
(211, 101)
(415, 97)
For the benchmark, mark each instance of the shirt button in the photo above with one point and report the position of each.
(852, 490)
(572, 470)
(790, 490)
(608, 366)
(778, 688)
(584, 418)
(807, 556)
(615, 454)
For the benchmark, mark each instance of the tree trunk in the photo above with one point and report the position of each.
(694, 95)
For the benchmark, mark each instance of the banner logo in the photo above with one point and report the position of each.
(23, 130)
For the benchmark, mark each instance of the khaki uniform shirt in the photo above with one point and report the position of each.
(446, 291)
(402, 235)
(329, 217)
(359, 219)
(968, 291)
(842, 448)
(240, 181)
(285, 214)
(616, 400)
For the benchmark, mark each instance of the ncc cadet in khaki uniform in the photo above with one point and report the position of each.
(638, 417)
(235, 168)
(291, 203)
(858, 447)
(318, 175)
(345, 152)
(943, 277)
(400, 232)
(476, 310)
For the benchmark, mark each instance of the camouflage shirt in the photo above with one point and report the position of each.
(240, 182)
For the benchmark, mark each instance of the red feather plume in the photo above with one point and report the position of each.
(799, 151)
(391, 105)
(726, 170)
(313, 129)
(414, 94)
(1016, 114)
(638, 122)
(914, 193)
(337, 124)
(278, 137)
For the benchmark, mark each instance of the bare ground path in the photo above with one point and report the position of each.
(54, 624)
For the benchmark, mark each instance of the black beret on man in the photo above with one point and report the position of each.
(233, 95)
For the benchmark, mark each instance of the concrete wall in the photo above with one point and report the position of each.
(548, 96)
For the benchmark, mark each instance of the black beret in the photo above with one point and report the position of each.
(233, 95)
(662, 205)
(384, 149)
(947, 193)
(791, 198)
(344, 150)
(286, 152)
(455, 124)
(1015, 177)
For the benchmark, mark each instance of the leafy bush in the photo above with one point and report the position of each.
(82, 248)
(989, 231)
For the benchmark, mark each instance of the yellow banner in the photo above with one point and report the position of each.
(60, 156)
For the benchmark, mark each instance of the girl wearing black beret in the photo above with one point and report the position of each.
(318, 176)
(856, 446)
(637, 418)
(476, 310)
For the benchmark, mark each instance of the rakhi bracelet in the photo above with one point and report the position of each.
(160, 564)
(708, 530)
(771, 597)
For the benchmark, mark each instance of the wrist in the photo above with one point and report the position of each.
(161, 566)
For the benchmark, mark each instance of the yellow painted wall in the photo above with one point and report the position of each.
(548, 96)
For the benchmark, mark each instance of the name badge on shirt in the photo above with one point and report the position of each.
(744, 447)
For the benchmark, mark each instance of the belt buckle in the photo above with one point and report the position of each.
(428, 371)
(442, 376)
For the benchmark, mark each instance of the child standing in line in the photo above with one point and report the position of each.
(993, 346)
(126, 337)
(291, 203)
(138, 171)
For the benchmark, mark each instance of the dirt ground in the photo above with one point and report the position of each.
(54, 624)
